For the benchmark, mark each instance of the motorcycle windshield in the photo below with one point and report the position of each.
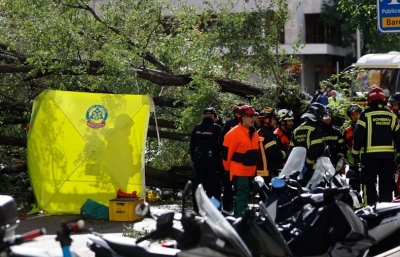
(295, 162)
(323, 170)
(218, 223)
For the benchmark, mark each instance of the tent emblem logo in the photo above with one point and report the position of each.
(96, 116)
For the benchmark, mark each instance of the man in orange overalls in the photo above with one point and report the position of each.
(239, 154)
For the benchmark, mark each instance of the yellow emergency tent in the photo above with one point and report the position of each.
(86, 145)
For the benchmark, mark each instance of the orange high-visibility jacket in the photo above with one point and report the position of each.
(240, 152)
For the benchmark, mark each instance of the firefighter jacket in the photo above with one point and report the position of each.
(240, 151)
(284, 138)
(271, 156)
(335, 140)
(204, 140)
(311, 136)
(377, 132)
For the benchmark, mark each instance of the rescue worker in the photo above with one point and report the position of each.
(333, 138)
(227, 198)
(284, 130)
(376, 134)
(353, 112)
(310, 136)
(270, 161)
(205, 154)
(393, 103)
(239, 156)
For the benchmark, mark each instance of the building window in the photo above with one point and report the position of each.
(318, 32)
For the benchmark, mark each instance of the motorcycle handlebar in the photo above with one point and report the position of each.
(317, 200)
(28, 236)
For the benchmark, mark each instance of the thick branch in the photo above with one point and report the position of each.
(159, 77)
(168, 102)
(162, 123)
(13, 141)
(168, 135)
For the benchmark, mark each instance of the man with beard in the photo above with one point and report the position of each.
(353, 112)
(239, 154)
(284, 130)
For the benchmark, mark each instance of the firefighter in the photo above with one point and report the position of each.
(333, 138)
(353, 112)
(271, 156)
(239, 156)
(310, 136)
(205, 154)
(376, 133)
(284, 130)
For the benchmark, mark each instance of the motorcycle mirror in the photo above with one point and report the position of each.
(351, 174)
(142, 210)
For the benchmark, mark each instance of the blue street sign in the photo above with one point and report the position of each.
(388, 15)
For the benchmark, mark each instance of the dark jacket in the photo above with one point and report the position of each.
(311, 136)
(204, 140)
(271, 155)
(334, 139)
(377, 132)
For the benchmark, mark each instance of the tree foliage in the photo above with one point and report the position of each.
(362, 15)
(186, 57)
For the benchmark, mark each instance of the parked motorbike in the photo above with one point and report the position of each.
(208, 235)
(380, 218)
(12, 245)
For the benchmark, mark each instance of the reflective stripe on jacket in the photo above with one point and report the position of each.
(240, 152)
(376, 133)
(309, 135)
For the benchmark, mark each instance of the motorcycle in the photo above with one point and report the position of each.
(381, 218)
(12, 244)
(207, 235)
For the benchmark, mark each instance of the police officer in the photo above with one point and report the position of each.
(333, 137)
(310, 136)
(353, 112)
(376, 134)
(205, 153)
(271, 158)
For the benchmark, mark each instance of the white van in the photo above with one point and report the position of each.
(383, 71)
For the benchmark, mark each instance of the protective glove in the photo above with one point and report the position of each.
(304, 170)
(193, 165)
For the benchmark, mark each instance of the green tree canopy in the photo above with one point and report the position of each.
(186, 57)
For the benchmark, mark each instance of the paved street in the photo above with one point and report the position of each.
(53, 223)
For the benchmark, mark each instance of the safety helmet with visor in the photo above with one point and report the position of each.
(285, 114)
(315, 112)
